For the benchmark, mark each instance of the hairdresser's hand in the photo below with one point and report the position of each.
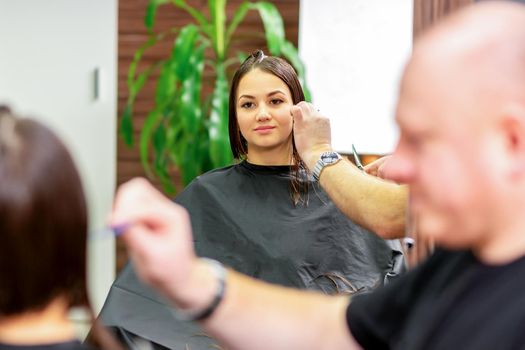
(160, 244)
(311, 133)
(379, 167)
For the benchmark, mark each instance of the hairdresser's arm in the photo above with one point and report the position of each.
(253, 315)
(375, 204)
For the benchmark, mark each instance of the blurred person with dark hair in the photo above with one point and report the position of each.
(43, 228)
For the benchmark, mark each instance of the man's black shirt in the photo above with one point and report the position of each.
(452, 301)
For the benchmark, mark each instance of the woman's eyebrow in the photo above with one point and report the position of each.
(275, 92)
(246, 96)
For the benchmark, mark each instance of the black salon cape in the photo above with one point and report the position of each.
(243, 216)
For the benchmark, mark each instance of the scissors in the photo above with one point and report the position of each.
(356, 159)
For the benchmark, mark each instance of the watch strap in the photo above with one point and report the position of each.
(319, 165)
(220, 272)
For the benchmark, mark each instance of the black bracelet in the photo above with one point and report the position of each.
(220, 271)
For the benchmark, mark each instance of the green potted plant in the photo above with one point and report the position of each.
(187, 128)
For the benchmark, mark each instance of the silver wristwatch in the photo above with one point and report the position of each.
(326, 159)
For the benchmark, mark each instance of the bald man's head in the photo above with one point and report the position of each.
(486, 42)
(461, 112)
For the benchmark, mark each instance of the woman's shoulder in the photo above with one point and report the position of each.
(213, 179)
(217, 175)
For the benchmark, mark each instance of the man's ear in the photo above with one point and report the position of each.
(513, 128)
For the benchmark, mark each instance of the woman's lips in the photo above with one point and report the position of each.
(264, 129)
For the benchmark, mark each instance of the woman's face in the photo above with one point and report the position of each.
(263, 113)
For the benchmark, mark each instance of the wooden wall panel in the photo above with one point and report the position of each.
(132, 33)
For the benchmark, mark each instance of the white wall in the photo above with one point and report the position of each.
(354, 52)
(49, 51)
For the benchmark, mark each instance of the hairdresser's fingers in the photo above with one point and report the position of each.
(137, 201)
(370, 170)
(380, 168)
(382, 171)
(304, 110)
(159, 236)
(296, 114)
(312, 132)
(161, 262)
(383, 167)
(375, 168)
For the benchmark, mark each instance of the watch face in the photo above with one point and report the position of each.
(329, 157)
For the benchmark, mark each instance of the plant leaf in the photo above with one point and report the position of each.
(137, 85)
(151, 11)
(238, 16)
(126, 124)
(197, 15)
(242, 56)
(166, 84)
(190, 169)
(289, 51)
(152, 120)
(182, 51)
(161, 159)
(159, 145)
(190, 100)
(137, 56)
(184, 105)
(191, 118)
(173, 137)
(220, 153)
(218, 22)
(167, 183)
(273, 25)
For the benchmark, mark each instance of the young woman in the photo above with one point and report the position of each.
(43, 227)
(264, 216)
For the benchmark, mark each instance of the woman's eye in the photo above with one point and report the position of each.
(276, 101)
(247, 105)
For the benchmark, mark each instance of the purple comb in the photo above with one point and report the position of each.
(120, 228)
